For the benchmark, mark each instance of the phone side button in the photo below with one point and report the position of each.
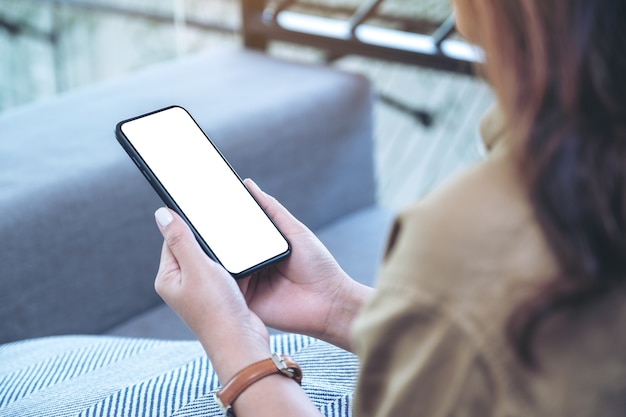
(145, 174)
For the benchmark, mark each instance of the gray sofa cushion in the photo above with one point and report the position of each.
(79, 248)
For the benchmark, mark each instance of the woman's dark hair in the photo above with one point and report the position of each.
(558, 68)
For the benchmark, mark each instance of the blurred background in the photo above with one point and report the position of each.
(50, 47)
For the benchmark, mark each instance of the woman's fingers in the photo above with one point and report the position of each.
(169, 269)
(277, 212)
(269, 203)
(177, 235)
(181, 257)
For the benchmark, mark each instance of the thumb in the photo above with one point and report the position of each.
(179, 238)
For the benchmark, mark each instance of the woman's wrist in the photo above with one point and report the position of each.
(228, 362)
(232, 348)
(345, 309)
(251, 391)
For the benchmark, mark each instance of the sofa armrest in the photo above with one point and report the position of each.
(79, 248)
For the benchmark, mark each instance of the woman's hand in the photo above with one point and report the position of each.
(207, 299)
(307, 293)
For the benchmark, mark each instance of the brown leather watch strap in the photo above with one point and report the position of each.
(276, 364)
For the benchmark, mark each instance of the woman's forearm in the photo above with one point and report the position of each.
(275, 395)
(272, 395)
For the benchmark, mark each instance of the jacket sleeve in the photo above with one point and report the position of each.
(419, 354)
(416, 361)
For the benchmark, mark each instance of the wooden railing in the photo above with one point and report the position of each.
(425, 43)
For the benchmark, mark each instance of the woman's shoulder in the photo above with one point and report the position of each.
(483, 211)
(474, 237)
(489, 195)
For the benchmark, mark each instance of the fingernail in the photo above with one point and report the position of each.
(163, 216)
(253, 184)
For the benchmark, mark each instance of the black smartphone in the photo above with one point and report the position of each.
(193, 178)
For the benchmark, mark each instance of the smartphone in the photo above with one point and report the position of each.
(194, 179)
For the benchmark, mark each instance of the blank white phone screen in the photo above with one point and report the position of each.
(205, 188)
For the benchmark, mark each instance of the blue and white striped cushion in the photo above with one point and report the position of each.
(93, 376)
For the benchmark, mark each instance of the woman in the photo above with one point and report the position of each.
(500, 294)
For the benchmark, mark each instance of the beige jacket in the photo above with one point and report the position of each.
(431, 340)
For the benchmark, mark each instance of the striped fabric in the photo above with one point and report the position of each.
(97, 376)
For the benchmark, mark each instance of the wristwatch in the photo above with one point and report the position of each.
(276, 364)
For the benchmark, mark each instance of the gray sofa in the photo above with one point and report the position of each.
(79, 248)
